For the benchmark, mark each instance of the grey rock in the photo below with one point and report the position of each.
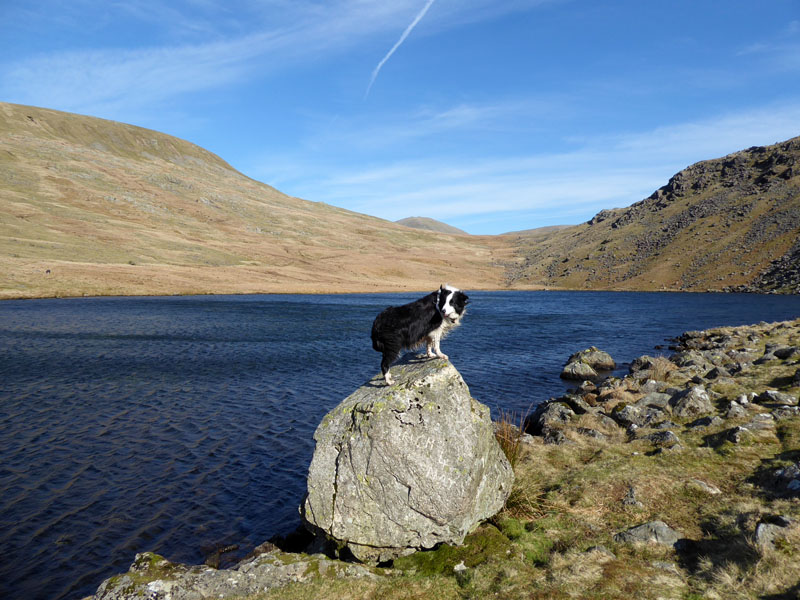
(701, 485)
(555, 437)
(630, 499)
(651, 385)
(643, 363)
(577, 404)
(784, 352)
(655, 531)
(631, 414)
(796, 378)
(592, 433)
(692, 358)
(663, 565)
(665, 425)
(155, 578)
(735, 411)
(597, 359)
(716, 358)
(714, 421)
(761, 422)
(693, 402)
(787, 479)
(738, 435)
(405, 467)
(655, 399)
(606, 421)
(785, 412)
(552, 415)
(462, 573)
(743, 356)
(718, 372)
(767, 534)
(578, 370)
(663, 439)
(776, 397)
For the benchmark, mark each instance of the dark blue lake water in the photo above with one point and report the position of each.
(182, 424)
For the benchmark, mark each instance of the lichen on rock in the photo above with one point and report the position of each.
(407, 466)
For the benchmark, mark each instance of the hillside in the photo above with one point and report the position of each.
(539, 233)
(726, 224)
(95, 207)
(429, 224)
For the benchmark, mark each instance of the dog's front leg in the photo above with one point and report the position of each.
(429, 346)
(435, 340)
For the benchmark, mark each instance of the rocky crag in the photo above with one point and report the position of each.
(728, 224)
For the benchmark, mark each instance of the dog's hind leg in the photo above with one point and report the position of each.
(385, 364)
(390, 354)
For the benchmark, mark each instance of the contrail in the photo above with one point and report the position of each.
(403, 37)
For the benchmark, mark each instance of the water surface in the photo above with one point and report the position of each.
(182, 424)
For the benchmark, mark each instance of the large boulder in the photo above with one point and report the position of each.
(692, 402)
(586, 363)
(595, 358)
(405, 467)
(578, 371)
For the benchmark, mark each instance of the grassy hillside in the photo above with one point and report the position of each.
(729, 223)
(94, 207)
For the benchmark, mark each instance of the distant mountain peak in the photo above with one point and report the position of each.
(429, 224)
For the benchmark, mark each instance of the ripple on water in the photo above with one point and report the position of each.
(181, 424)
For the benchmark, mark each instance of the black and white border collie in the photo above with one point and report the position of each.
(425, 320)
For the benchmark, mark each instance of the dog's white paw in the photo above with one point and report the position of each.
(442, 355)
(389, 380)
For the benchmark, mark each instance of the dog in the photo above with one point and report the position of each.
(425, 320)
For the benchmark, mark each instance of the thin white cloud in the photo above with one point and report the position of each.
(599, 172)
(215, 47)
(399, 42)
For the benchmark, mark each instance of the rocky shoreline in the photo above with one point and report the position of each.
(707, 382)
(678, 480)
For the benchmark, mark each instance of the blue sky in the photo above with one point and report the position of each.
(490, 115)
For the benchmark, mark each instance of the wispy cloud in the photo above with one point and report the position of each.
(208, 49)
(397, 44)
(526, 189)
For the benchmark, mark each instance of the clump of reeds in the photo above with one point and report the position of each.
(509, 430)
(662, 367)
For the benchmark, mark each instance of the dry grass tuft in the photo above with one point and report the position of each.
(661, 369)
(509, 430)
(617, 394)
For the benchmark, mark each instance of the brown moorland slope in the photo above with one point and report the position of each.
(728, 224)
(96, 207)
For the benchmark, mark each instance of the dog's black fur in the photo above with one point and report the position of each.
(425, 320)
